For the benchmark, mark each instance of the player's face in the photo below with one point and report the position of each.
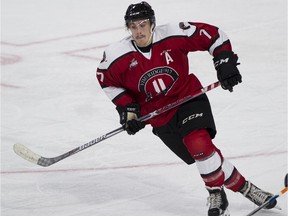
(141, 32)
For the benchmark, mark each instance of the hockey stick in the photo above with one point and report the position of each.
(29, 155)
(268, 201)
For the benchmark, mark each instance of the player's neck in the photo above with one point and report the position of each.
(145, 49)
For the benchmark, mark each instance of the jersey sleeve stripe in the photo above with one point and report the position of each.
(220, 40)
(113, 92)
(225, 46)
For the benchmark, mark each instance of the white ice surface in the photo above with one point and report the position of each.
(52, 103)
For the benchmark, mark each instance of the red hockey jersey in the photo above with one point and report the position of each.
(162, 76)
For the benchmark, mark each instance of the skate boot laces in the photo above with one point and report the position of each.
(214, 200)
(217, 202)
(257, 196)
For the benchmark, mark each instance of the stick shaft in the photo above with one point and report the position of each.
(29, 155)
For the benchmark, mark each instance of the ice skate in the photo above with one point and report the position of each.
(256, 195)
(217, 202)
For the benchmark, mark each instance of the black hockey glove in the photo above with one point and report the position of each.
(128, 118)
(227, 72)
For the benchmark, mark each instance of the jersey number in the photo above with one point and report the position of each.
(159, 85)
(101, 76)
(202, 31)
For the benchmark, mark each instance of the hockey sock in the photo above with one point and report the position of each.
(233, 178)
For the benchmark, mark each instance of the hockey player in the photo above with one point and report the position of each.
(149, 69)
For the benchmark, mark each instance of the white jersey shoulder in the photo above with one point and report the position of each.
(115, 51)
(173, 29)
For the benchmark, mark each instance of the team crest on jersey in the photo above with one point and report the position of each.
(104, 57)
(184, 25)
(157, 81)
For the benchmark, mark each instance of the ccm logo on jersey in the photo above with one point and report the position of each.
(193, 116)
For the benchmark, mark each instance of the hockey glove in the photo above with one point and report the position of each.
(227, 72)
(128, 118)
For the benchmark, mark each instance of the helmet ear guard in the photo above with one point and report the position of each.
(138, 11)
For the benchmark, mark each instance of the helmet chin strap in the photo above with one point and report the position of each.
(151, 34)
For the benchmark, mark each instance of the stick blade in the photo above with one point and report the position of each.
(26, 153)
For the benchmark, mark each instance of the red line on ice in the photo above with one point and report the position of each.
(133, 166)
